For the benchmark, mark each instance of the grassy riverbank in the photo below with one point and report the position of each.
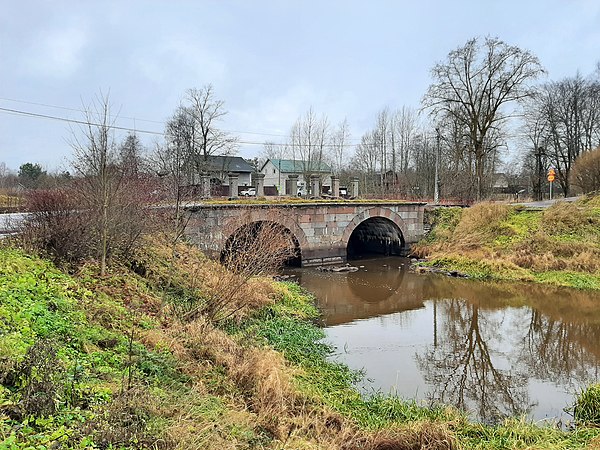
(559, 245)
(141, 359)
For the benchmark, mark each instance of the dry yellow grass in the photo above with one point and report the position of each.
(268, 399)
(258, 391)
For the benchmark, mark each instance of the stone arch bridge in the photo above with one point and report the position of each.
(324, 233)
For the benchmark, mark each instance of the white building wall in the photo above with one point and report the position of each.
(273, 178)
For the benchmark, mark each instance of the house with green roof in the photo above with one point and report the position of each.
(277, 171)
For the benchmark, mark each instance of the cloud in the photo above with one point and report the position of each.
(273, 112)
(177, 57)
(57, 53)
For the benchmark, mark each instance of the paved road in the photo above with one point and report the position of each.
(547, 203)
(10, 223)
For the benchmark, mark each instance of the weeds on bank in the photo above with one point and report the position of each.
(587, 407)
(560, 245)
(61, 372)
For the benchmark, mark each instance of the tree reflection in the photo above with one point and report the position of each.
(462, 371)
(562, 352)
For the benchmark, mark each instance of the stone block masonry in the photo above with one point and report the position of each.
(322, 230)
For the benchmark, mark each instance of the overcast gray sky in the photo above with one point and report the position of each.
(269, 61)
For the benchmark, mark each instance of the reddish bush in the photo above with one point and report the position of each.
(586, 171)
(56, 226)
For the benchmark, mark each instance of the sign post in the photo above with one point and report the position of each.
(551, 177)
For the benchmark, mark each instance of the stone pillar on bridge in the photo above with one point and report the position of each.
(335, 186)
(315, 185)
(354, 187)
(205, 185)
(291, 185)
(233, 184)
(259, 180)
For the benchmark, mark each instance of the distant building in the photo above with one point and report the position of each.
(219, 166)
(500, 182)
(276, 172)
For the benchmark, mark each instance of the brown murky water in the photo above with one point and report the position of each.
(493, 350)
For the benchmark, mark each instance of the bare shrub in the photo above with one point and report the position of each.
(585, 172)
(254, 249)
(56, 226)
(63, 225)
(257, 247)
(43, 380)
(587, 261)
(124, 422)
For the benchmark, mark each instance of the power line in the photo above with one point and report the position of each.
(136, 130)
(80, 122)
(66, 108)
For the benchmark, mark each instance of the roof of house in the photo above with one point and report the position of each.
(228, 164)
(298, 166)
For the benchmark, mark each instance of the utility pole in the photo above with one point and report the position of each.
(436, 188)
(539, 173)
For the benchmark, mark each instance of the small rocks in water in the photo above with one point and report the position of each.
(283, 277)
(346, 268)
(361, 267)
(427, 269)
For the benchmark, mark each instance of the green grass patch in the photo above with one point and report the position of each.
(577, 280)
(480, 269)
(61, 370)
(489, 241)
(518, 226)
(587, 407)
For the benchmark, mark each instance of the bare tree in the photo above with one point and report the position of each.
(380, 140)
(586, 171)
(424, 154)
(340, 140)
(365, 161)
(172, 164)
(569, 116)
(535, 133)
(96, 162)
(474, 86)
(131, 157)
(272, 150)
(112, 203)
(206, 112)
(309, 142)
(404, 127)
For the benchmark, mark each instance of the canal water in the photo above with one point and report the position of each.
(494, 350)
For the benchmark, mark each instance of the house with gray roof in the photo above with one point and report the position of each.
(277, 171)
(219, 166)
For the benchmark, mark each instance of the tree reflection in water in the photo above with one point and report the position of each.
(559, 351)
(461, 370)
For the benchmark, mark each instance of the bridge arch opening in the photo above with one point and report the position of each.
(376, 236)
(261, 246)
